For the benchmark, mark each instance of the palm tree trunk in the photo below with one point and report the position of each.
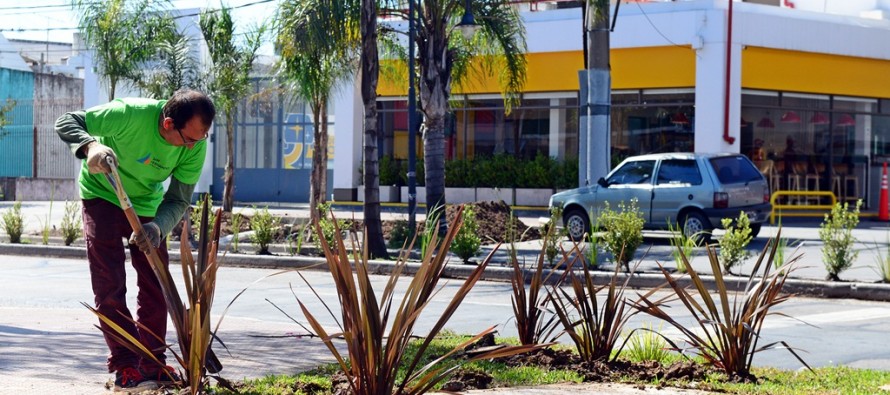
(229, 177)
(435, 89)
(369, 74)
(318, 177)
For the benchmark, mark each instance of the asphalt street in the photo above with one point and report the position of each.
(49, 343)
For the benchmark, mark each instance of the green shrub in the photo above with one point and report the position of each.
(733, 243)
(646, 345)
(388, 171)
(14, 223)
(295, 240)
(263, 225)
(328, 230)
(195, 216)
(418, 168)
(46, 225)
(837, 237)
(623, 231)
(72, 223)
(237, 220)
(552, 236)
(399, 234)
(467, 242)
(683, 247)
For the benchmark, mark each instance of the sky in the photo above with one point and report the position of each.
(54, 20)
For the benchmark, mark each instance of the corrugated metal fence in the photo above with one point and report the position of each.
(53, 159)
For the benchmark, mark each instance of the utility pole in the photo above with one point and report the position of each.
(595, 138)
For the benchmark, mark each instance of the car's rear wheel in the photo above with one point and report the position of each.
(576, 223)
(755, 230)
(696, 225)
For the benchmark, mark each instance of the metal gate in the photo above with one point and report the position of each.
(272, 148)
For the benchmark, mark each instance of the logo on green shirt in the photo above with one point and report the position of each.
(145, 159)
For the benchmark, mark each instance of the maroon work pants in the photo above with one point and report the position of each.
(104, 227)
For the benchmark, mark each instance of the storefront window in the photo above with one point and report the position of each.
(662, 122)
(810, 142)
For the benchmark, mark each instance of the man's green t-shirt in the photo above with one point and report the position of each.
(145, 160)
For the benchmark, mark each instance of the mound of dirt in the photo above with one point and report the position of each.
(494, 219)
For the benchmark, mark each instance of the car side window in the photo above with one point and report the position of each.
(637, 172)
(678, 171)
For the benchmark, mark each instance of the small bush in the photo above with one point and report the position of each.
(623, 231)
(388, 171)
(14, 223)
(683, 247)
(837, 237)
(733, 243)
(295, 240)
(72, 223)
(263, 225)
(551, 240)
(399, 234)
(467, 242)
(327, 226)
(195, 217)
(237, 220)
(646, 344)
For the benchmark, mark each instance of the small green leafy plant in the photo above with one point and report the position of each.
(554, 235)
(647, 345)
(13, 223)
(263, 225)
(46, 225)
(399, 235)
(327, 221)
(197, 212)
(237, 220)
(733, 243)
(837, 237)
(467, 242)
(623, 231)
(71, 223)
(295, 240)
(683, 247)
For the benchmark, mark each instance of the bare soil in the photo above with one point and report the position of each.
(496, 225)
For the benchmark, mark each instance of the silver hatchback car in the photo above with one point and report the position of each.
(691, 189)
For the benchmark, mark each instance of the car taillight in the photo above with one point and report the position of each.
(721, 200)
(766, 195)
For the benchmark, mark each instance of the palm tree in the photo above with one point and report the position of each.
(229, 78)
(446, 58)
(316, 39)
(178, 68)
(123, 35)
(369, 74)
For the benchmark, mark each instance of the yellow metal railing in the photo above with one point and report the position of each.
(795, 209)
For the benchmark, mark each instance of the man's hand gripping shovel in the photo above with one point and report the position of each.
(175, 307)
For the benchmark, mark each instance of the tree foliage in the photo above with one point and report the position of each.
(177, 68)
(123, 35)
(229, 78)
(316, 40)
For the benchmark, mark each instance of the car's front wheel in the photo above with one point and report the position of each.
(755, 230)
(576, 223)
(696, 225)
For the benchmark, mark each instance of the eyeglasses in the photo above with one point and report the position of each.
(190, 141)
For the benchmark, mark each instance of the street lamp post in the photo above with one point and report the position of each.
(412, 126)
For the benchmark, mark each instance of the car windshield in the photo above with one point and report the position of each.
(735, 170)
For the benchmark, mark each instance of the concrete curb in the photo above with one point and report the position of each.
(800, 287)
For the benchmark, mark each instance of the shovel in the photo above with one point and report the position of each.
(174, 303)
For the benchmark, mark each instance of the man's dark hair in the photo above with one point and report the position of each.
(187, 103)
